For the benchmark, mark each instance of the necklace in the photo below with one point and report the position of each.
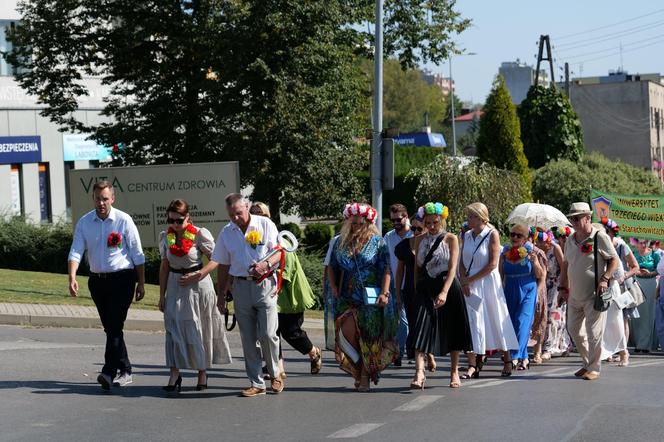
(186, 242)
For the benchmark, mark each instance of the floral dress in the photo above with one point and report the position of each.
(557, 342)
(376, 326)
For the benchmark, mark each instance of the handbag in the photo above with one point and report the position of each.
(371, 293)
(632, 285)
(602, 300)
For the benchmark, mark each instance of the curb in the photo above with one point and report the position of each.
(77, 322)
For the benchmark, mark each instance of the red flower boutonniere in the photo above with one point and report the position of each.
(114, 240)
(587, 248)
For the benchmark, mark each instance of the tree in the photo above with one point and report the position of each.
(550, 129)
(273, 84)
(562, 182)
(499, 139)
(457, 183)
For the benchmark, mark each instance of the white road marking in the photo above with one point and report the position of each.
(644, 364)
(418, 403)
(34, 345)
(355, 430)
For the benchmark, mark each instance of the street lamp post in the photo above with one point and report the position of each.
(454, 141)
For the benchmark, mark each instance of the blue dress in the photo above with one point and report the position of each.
(521, 296)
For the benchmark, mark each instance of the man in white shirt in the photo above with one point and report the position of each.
(240, 249)
(401, 230)
(114, 253)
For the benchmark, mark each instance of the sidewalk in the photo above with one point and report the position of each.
(77, 316)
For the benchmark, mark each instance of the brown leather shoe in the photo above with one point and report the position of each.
(580, 373)
(253, 391)
(591, 376)
(277, 385)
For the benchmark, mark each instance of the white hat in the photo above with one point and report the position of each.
(579, 209)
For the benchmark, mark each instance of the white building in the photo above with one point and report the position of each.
(519, 77)
(34, 156)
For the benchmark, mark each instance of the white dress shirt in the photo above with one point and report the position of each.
(233, 249)
(91, 235)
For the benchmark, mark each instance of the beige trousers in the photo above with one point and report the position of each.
(586, 327)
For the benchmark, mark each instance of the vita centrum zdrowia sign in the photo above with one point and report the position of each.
(640, 216)
(144, 192)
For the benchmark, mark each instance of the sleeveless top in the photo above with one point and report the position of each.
(440, 260)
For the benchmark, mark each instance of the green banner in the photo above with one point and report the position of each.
(640, 216)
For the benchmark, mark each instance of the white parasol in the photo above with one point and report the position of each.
(538, 215)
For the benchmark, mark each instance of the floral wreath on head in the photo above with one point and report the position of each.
(363, 210)
(517, 254)
(561, 232)
(433, 209)
(610, 224)
(541, 235)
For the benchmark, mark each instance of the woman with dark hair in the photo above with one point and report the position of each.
(643, 328)
(195, 335)
(359, 276)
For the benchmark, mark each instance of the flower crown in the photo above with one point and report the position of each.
(540, 235)
(560, 232)
(357, 209)
(433, 209)
(610, 224)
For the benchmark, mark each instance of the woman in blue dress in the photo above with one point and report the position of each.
(643, 328)
(365, 329)
(520, 270)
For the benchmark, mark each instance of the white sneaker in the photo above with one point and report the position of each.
(123, 380)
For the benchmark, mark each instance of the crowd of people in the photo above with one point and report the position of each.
(418, 293)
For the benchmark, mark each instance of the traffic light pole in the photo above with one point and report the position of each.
(377, 138)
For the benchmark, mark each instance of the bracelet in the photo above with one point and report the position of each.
(605, 279)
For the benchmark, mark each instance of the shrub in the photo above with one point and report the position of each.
(456, 185)
(317, 237)
(292, 228)
(27, 246)
(563, 182)
(312, 264)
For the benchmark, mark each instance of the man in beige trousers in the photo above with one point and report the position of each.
(577, 285)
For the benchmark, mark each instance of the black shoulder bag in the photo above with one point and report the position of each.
(602, 300)
(472, 259)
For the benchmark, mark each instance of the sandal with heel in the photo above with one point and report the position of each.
(418, 383)
(431, 363)
(469, 375)
(507, 369)
(455, 383)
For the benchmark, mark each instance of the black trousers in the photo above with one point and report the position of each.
(290, 328)
(112, 296)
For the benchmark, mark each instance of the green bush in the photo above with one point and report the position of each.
(312, 264)
(292, 228)
(317, 237)
(456, 185)
(563, 182)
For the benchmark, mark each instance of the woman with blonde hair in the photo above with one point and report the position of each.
(520, 269)
(442, 325)
(359, 276)
(485, 301)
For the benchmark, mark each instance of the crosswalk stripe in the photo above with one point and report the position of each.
(418, 403)
(355, 430)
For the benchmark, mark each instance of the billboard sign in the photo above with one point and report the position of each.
(16, 150)
(144, 192)
(76, 147)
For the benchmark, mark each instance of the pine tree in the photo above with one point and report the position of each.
(550, 129)
(499, 140)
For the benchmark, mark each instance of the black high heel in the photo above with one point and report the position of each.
(475, 374)
(201, 387)
(176, 386)
(505, 373)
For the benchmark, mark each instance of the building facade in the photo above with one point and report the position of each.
(519, 77)
(445, 84)
(623, 119)
(35, 156)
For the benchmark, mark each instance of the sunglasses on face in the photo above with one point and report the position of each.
(418, 229)
(178, 221)
(396, 220)
(515, 235)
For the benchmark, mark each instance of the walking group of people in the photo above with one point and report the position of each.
(416, 293)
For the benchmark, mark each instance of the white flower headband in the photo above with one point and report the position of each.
(357, 209)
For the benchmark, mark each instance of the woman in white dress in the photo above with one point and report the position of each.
(614, 339)
(195, 335)
(490, 323)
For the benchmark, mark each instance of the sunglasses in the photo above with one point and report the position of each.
(178, 221)
(418, 229)
(516, 235)
(396, 220)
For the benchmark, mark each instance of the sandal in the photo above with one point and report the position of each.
(546, 356)
(431, 363)
(455, 383)
(316, 362)
(418, 383)
(537, 358)
(507, 369)
(468, 375)
(624, 361)
(481, 360)
(524, 364)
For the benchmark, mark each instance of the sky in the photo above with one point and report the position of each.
(504, 30)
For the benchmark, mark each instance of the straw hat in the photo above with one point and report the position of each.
(579, 209)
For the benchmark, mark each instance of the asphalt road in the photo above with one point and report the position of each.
(49, 393)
